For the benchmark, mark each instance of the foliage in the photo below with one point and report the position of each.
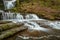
(1, 5)
(39, 7)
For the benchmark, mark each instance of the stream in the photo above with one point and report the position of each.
(29, 20)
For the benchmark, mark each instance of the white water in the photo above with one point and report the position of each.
(54, 25)
(19, 18)
(31, 25)
(12, 16)
(35, 26)
(31, 16)
(8, 15)
(9, 4)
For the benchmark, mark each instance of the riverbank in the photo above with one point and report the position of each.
(13, 33)
(47, 9)
(15, 29)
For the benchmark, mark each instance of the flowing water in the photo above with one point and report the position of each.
(8, 15)
(54, 25)
(35, 26)
(11, 16)
(29, 17)
(17, 17)
(9, 4)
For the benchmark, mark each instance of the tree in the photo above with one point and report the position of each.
(1, 4)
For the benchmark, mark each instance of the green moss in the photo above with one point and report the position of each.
(1, 5)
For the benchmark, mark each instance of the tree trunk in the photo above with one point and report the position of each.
(4, 27)
(4, 22)
(11, 32)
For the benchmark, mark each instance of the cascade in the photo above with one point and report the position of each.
(9, 4)
(8, 15)
(35, 26)
(31, 16)
(55, 25)
(19, 16)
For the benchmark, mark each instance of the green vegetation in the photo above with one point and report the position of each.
(8, 29)
(54, 4)
(1, 5)
(8, 26)
(48, 9)
(11, 32)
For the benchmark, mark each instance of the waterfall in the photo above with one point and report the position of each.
(35, 26)
(19, 16)
(31, 16)
(52, 24)
(13, 0)
(55, 25)
(8, 15)
(9, 4)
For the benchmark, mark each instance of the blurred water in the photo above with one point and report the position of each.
(31, 16)
(17, 17)
(9, 4)
(35, 26)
